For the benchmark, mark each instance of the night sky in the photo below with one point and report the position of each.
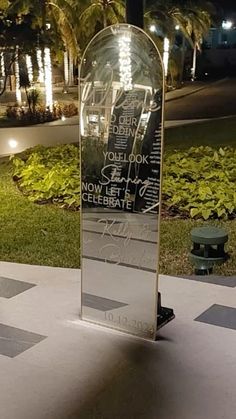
(226, 5)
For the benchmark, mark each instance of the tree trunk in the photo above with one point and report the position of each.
(183, 47)
(66, 68)
(40, 66)
(3, 72)
(104, 18)
(44, 14)
(29, 66)
(48, 78)
(71, 69)
(193, 69)
(17, 77)
(166, 54)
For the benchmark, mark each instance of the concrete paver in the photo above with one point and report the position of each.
(82, 371)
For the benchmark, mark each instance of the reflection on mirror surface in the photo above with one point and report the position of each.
(121, 96)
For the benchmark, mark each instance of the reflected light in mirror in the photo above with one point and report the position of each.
(125, 62)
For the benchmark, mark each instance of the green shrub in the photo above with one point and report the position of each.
(37, 113)
(93, 158)
(50, 175)
(200, 182)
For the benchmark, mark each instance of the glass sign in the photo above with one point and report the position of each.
(121, 130)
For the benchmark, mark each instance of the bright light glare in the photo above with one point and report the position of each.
(152, 28)
(177, 27)
(63, 118)
(40, 66)
(227, 24)
(13, 143)
(2, 64)
(66, 68)
(48, 77)
(17, 78)
(166, 55)
(29, 68)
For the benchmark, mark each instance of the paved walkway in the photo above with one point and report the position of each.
(191, 87)
(67, 130)
(55, 367)
(187, 89)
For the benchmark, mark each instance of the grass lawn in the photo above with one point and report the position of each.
(215, 133)
(34, 234)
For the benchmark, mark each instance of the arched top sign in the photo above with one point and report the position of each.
(124, 55)
(121, 129)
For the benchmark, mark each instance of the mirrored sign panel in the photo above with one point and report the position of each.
(121, 105)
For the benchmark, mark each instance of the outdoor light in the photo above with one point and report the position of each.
(125, 62)
(13, 143)
(48, 77)
(166, 54)
(2, 64)
(63, 118)
(17, 78)
(66, 68)
(152, 28)
(177, 27)
(227, 24)
(40, 65)
(29, 68)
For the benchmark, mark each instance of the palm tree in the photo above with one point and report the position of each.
(4, 4)
(164, 16)
(101, 13)
(200, 22)
(58, 13)
(193, 20)
(64, 19)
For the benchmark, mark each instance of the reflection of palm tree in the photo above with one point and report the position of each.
(166, 15)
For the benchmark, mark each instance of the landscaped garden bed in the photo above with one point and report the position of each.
(40, 198)
(23, 116)
(35, 234)
(49, 175)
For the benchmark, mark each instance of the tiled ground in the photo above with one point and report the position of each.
(99, 303)
(55, 367)
(219, 315)
(14, 341)
(10, 287)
